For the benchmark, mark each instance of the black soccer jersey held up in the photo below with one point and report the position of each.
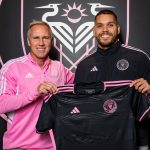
(94, 118)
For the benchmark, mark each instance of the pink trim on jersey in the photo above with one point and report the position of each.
(135, 49)
(122, 83)
(145, 114)
(64, 88)
(116, 83)
(19, 98)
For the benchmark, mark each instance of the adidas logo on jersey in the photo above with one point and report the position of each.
(94, 69)
(75, 110)
(29, 75)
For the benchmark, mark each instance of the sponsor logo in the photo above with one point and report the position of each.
(94, 69)
(29, 75)
(75, 110)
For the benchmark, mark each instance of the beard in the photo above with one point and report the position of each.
(108, 43)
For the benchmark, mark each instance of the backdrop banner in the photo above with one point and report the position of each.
(71, 23)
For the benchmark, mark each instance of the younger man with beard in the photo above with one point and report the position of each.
(113, 60)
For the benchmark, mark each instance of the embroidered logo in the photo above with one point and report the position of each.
(110, 106)
(94, 69)
(75, 110)
(122, 64)
(29, 75)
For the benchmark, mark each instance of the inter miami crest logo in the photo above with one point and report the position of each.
(110, 106)
(122, 64)
(72, 23)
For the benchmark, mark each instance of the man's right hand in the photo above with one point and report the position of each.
(47, 88)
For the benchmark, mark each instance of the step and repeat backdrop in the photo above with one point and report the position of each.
(71, 23)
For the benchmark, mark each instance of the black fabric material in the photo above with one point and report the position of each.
(89, 88)
(100, 121)
(3, 127)
(143, 132)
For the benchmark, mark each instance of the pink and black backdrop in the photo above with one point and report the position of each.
(71, 23)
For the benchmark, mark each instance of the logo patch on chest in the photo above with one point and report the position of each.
(122, 64)
(110, 106)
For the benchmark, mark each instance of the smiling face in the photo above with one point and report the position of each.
(106, 30)
(39, 40)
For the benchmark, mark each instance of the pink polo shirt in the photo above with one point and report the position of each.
(19, 79)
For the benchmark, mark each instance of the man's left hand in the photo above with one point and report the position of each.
(141, 85)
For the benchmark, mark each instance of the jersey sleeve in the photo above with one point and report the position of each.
(140, 105)
(47, 116)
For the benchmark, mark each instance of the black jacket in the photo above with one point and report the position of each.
(119, 62)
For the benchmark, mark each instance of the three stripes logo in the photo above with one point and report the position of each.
(29, 75)
(75, 110)
(94, 69)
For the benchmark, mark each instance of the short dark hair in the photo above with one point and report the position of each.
(107, 11)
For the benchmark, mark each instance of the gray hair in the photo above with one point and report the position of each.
(36, 22)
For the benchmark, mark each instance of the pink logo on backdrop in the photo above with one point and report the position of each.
(1, 2)
(72, 25)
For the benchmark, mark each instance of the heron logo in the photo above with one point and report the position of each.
(72, 24)
(72, 40)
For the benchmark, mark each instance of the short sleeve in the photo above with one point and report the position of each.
(46, 117)
(140, 105)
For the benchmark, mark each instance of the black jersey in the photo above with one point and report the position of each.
(99, 116)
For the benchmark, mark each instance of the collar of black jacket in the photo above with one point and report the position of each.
(113, 49)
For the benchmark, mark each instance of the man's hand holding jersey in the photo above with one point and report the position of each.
(47, 88)
(141, 85)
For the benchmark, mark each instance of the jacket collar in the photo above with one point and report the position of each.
(46, 63)
(113, 49)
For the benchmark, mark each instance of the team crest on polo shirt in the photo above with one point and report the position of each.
(123, 64)
(110, 106)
